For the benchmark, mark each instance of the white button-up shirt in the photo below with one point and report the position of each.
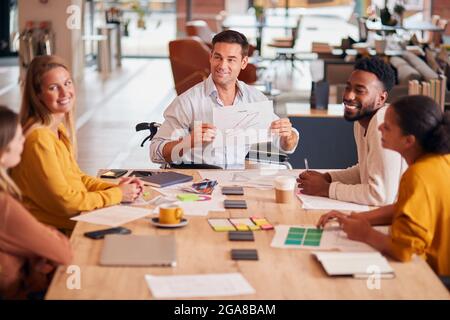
(197, 105)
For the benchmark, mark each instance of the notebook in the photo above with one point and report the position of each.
(357, 264)
(138, 250)
(165, 179)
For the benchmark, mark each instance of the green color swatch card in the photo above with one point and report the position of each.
(304, 237)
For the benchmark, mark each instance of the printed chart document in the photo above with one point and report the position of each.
(309, 237)
(322, 203)
(357, 264)
(248, 178)
(113, 216)
(244, 124)
(208, 285)
(213, 202)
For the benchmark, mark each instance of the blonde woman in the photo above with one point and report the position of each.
(53, 186)
(29, 251)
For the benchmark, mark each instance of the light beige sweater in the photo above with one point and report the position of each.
(375, 179)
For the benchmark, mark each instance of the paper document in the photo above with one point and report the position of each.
(208, 285)
(113, 216)
(308, 237)
(244, 124)
(322, 203)
(357, 264)
(191, 208)
(248, 178)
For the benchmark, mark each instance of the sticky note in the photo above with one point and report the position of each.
(292, 242)
(241, 227)
(221, 225)
(262, 223)
(188, 197)
(243, 224)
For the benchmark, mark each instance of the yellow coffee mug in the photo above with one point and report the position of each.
(170, 214)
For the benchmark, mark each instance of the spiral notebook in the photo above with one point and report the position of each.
(356, 264)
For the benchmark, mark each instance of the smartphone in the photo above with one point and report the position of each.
(113, 173)
(100, 234)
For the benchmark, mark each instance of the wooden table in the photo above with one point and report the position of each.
(279, 273)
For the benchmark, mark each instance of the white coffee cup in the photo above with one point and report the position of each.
(284, 189)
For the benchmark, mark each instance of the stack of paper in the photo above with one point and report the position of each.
(322, 203)
(262, 179)
(208, 285)
(113, 216)
(191, 208)
(356, 264)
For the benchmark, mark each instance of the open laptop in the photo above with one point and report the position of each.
(139, 250)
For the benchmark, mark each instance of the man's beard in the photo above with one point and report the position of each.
(362, 113)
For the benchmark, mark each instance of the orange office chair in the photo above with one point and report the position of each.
(189, 59)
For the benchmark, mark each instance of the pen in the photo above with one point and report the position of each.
(306, 164)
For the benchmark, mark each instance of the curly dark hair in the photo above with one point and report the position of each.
(422, 117)
(384, 72)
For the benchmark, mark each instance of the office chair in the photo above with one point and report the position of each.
(285, 47)
(189, 59)
(259, 153)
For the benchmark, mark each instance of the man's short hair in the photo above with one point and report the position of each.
(231, 36)
(378, 67)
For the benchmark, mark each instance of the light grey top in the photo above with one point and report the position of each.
(197, 105)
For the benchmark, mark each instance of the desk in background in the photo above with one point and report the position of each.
(249, 21)
(279, 273)
(326, 138)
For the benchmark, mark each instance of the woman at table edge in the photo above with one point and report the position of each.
(29, 250)
(415, 127)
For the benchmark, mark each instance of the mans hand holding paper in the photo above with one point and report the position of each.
(283, 128)
(203, 134)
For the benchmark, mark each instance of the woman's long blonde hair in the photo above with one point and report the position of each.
(33, 110)
(9, 121)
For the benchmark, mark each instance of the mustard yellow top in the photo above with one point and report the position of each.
(421, 224)
(53, 186)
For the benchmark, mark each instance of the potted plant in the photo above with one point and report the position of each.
(259, 13)
(141, 14)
